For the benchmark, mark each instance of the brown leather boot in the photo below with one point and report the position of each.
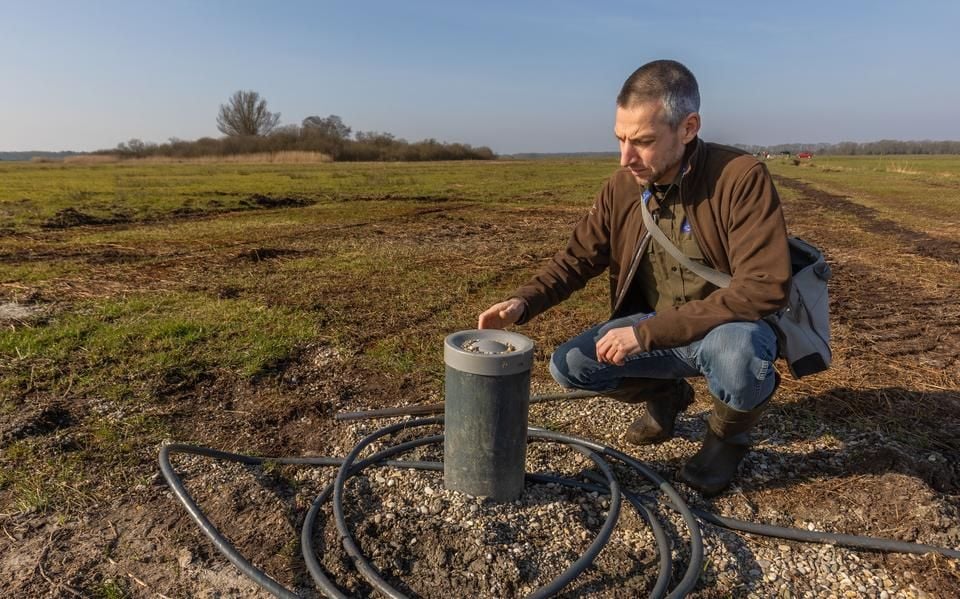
(713, 468)
(664, 399)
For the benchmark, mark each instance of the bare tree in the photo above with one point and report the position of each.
(136, 148)
(377, 138)
(246, 114)
(332, 127)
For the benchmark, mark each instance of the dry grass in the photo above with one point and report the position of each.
(289, 157)
(901, 169)
(86, 159)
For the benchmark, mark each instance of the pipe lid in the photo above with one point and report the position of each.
(489, 352)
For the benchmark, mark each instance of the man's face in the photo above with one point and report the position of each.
(649, 147)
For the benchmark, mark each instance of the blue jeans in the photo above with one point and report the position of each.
(736, 358)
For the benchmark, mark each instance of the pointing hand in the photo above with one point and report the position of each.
(501, 315)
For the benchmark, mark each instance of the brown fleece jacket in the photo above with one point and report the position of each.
(734, 212)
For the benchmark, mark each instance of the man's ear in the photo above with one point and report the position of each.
(690, 126)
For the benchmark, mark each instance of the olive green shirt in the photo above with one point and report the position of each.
(663, 283)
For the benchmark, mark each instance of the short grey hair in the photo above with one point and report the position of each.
(665, 80)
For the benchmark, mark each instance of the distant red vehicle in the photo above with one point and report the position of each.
(805, 155)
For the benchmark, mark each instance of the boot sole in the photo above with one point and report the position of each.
(647, 440)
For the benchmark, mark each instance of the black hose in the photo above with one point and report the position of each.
(348, 469)
(692, 573)
(605, 483)
(613, 513)
(829, 538)
(220, 542)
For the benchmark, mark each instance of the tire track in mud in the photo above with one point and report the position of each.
(875, 300)
(920, 243)
(890, 318)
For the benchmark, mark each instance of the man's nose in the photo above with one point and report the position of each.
(628, 154)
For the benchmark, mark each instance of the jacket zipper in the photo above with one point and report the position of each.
(635, 262)
(632, 270)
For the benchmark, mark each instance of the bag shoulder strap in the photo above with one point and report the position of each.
(720, 279)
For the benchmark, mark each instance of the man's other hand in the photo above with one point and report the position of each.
(501, 315)
(617, 345)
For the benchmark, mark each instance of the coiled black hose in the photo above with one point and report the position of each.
(603, 483)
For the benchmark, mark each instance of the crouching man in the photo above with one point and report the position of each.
(718, 205)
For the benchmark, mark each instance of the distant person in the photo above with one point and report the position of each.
(719, 206)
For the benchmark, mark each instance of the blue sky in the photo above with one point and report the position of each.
(518, 77)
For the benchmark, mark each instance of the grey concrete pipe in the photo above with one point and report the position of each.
(485, 413)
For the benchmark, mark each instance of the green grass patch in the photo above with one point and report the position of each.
(111, 362)
(37, 272)
(142, 345)
(111, 589)
(39, 480)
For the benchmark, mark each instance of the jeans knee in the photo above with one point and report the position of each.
(738, 363)
(735, 346)
(571, 368)
(556, 372)
(746, 388)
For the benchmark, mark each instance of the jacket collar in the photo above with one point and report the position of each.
(693, 156)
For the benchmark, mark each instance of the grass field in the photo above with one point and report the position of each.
(920, 190)
(240, 306)
(32, 194)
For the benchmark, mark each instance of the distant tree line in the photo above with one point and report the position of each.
(893, 146)
(250, 128)
(872, 148)
(24, 156)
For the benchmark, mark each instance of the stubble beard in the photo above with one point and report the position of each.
(655, 175)
(658, 174)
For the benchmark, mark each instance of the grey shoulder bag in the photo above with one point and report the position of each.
(803, 325)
